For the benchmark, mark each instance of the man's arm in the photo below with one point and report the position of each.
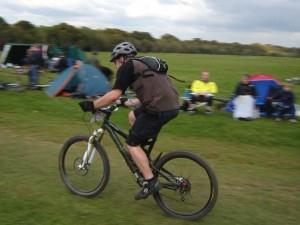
(253, 91)
(108, 98)
(132, 102)
(214, 88)
(237, 90)
(194, 86)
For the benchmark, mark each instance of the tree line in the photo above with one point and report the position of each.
(105, 39)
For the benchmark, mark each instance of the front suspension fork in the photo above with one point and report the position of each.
(90, 151)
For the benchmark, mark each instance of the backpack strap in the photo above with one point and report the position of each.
(174, 78)
(155, 64)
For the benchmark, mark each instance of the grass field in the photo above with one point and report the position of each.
(257, 163)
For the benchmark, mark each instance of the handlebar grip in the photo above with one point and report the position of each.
(108, 109)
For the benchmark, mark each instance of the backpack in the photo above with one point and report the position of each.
(155, 64)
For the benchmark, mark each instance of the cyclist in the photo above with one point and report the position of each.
(158, 101)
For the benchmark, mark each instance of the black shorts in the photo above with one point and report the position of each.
(147, 125)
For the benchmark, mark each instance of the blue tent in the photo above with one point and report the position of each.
(84, 81)
(263, 84)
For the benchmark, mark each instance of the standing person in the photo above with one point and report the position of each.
(204, 90)
(35, 61)
(244, 102)
(159, 104)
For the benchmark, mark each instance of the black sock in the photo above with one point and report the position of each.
(150, 180)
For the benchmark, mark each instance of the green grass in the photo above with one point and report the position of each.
(257, 163)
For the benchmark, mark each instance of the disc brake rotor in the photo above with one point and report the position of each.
(79, 169)
(184, 187)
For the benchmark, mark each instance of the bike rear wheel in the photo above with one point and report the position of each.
(189, 187)
(86, 180)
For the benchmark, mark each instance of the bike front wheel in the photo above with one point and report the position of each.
(188, 186)
(85, 179)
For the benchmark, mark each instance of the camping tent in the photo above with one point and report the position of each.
(263, 83)
(14, 53)
(84, 81)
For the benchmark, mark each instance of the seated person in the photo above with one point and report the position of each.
(286, 104)
(271, 101)
(244, 101)
(202, 91)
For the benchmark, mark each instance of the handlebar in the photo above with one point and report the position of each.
(88, 106)
(103, 113)
(109, 109)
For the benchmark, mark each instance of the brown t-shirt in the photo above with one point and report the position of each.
(154, 90)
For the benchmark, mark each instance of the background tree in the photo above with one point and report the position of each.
(4, 31)
(104, 40)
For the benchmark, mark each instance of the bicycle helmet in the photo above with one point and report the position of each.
(124, 48)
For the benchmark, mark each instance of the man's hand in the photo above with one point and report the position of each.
(121, 101)
(87, 106)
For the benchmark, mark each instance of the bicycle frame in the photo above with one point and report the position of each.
(116, 133)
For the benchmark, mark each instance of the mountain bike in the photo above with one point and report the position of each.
(188, 185)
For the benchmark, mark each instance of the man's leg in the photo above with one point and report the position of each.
(34, 75)
(30, 77)
(268, 107)
(150, 183)
(208, 108)
(131, 118)
(138, 155)
(194, 99)
(280, 112)
(140, 158)
(291, 111)
(209, 100)
(185, 105)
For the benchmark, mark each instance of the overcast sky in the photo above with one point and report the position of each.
(255, 21)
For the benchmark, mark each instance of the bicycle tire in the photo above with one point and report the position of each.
(102, 166)
(167, 169)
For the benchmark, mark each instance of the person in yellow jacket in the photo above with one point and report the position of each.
(204, 90)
